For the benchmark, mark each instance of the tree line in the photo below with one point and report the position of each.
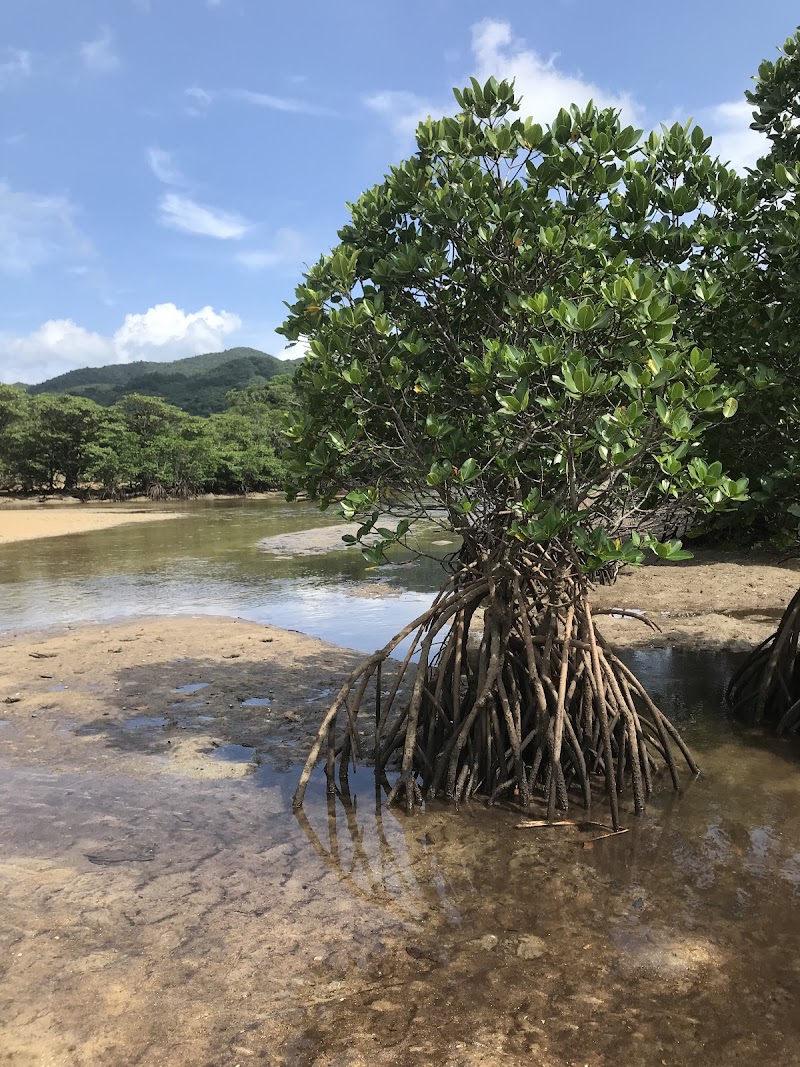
(141, 444)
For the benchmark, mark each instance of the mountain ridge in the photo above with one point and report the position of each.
(197, 384)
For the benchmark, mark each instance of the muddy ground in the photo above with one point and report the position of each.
(163, 907)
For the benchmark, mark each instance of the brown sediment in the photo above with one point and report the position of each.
(157, 914)
(97, 686)
(715, 601)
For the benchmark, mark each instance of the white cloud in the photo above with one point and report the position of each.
(734, 141)
(99, 55)
(14, 68)
(288, 246)
(543, 87)
(163, 166)
(184, 214)
(36, 229)
(166, 331)
(294, 350)
(161, 333)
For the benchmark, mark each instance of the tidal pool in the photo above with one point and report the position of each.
(153, 920)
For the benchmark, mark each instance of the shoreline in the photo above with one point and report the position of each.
(59, 499)
(717, 601)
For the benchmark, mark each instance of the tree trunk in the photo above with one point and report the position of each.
(766, 688)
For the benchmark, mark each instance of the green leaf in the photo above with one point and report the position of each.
(730, 407)
(468, 470)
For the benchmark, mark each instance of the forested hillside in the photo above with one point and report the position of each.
(198, 384)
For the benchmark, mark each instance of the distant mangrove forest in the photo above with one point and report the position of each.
(142, 444)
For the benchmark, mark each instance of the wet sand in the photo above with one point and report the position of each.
(49, 520)
(164, 907)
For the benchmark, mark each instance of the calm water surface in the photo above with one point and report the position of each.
(208, 562)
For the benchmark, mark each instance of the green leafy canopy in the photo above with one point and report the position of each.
(496, 337)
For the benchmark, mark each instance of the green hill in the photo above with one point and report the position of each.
(197, 384)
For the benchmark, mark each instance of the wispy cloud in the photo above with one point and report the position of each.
(15, 67)
(278, 103)
(289, 246)
(200, 99)
(162, 332)
(36, 229)
(98, 55)
(182, 213)
(402, 110)
(163, 166)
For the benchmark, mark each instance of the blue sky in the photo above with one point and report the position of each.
(168, 166)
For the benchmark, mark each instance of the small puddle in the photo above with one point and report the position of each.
(192, 687)
(322, 694)
(233, 753)
(765, 614)
(145, 722)
(256, 702)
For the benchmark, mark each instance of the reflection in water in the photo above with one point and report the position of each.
(208, 562)
(676, 941)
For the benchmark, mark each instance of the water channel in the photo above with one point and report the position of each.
(209, 561)
(157, 921)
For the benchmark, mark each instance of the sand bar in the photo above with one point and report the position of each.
(26, 524)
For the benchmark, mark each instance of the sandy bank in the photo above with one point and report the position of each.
(715, 601)
(44, 520)
(178, 689)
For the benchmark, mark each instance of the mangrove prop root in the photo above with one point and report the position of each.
(533, 707)
(766, 687)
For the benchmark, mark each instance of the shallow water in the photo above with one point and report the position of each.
(209, 562)
(161, 921)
